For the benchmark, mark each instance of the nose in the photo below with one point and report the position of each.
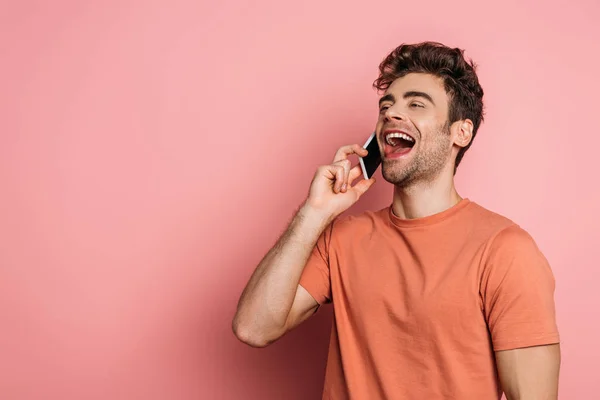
(393, 114)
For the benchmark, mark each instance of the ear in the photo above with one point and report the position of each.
(462, 132)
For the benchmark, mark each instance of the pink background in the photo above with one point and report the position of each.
(152, 152)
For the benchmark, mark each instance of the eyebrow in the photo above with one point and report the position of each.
(412, 93)
(419, 94)
(387, 97)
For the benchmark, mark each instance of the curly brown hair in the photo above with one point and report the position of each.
(460, 80)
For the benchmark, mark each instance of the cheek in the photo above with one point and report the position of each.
(423, 128)
(426, 124)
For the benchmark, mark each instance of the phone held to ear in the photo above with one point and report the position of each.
(370, 163)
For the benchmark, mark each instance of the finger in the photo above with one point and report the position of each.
(335, 173)
(354, 173)
(345, 151)
(361, 187)
(328, 171)
(339, 179)
(346, 165)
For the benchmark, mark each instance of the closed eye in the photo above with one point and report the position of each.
(416, 105)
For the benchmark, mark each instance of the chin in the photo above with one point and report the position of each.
(397, 176)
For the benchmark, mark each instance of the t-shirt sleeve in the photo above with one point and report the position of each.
(315, 276)
(518, 292)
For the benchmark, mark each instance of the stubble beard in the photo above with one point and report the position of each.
(424, 165)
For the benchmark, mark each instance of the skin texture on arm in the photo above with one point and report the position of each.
(529, 373)
(272, 301)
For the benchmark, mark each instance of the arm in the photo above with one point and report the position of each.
(273, 302)
(518, 292)
(529, 373)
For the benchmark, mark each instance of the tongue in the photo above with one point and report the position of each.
(401, 150)
(401, 146)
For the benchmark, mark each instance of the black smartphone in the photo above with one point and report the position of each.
(370, 163)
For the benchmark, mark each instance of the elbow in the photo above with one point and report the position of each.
(250, 339)
(253, 338)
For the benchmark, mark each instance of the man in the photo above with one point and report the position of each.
(434, 297)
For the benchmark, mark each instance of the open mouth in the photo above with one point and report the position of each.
(398, 143)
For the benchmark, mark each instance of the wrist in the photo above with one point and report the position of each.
(314, 216)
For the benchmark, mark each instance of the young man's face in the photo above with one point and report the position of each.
(414, 109)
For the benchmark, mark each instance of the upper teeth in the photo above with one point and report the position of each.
(389, 137)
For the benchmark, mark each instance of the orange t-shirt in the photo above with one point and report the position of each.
(421, 305)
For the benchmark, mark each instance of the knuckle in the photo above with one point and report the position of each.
(323, 169)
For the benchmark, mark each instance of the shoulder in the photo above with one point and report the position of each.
(515, 266)
(362, 223)
(501, 236)
(514, 251)
(486, 217)
(491, 227)
(513, 239)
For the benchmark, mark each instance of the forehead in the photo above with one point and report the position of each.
(419, 82)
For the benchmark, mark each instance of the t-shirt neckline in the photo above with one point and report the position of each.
(430, 219)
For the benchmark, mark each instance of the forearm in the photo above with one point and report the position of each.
(267, 299)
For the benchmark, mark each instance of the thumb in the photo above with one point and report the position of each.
(361, 187)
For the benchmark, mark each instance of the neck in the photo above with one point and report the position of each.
(422, 199)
